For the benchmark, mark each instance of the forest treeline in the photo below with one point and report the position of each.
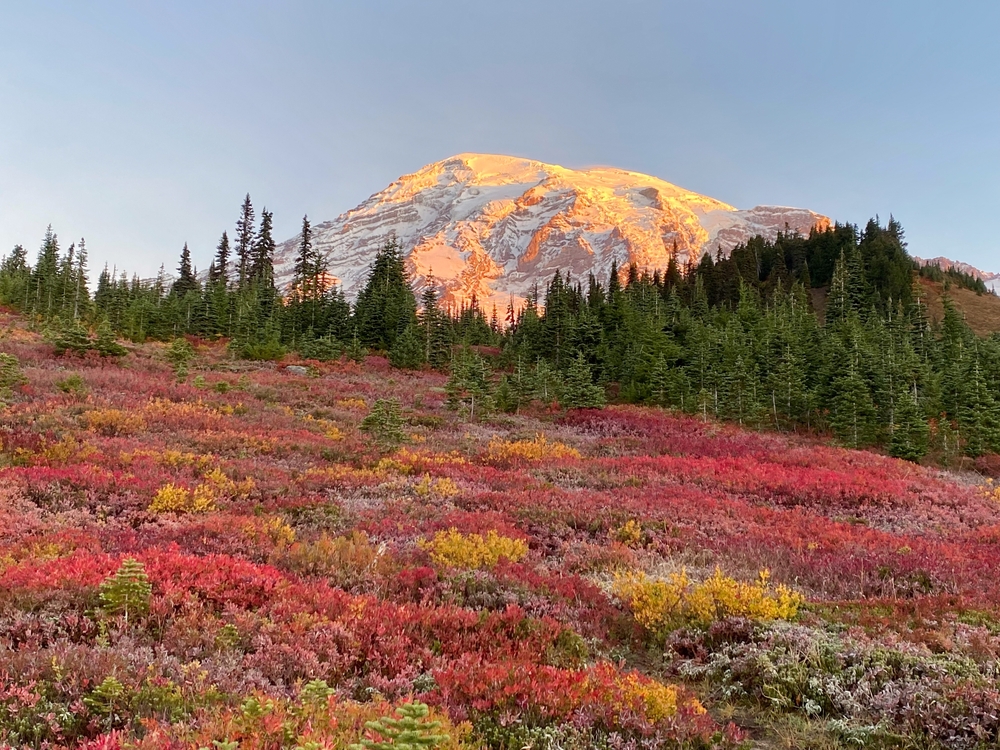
(732, 338)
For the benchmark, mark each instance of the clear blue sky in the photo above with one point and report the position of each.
(141, 125)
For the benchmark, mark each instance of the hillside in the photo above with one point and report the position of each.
(981, 311)
(230, 557)
(495, 226)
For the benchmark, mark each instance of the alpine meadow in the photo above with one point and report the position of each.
(530, 448)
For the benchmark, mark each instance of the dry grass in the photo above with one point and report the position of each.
(982, 312)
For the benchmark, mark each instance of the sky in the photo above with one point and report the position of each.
(142, 125)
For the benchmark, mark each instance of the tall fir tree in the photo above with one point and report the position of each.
(244, 243)
(220, 264)
(186, 280)
(262, 261)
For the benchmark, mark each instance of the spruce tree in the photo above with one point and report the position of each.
(434, 328)
(45, 276)
(385, 422)
(14, 278)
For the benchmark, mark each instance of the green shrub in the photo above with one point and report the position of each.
(127, 592)
(106, 344)
(326, 349)
(469, 386)
(410, 732)
(71, 336)
(179, 354)
(73, 385)
(267, 350)
(10, 376)
(385, 422)
(109, 699)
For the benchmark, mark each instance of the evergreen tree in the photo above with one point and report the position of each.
(469, 387)
(244, 242)
(219, 275)
(14, 278)
(386, 305)
(407, 352)
(910, 433)
(385, 422)
(579, 391)
(412, 731)
(304, 269)
(262, 258)
(979, 409)
(186, 280)
(434, 328)
(44, 276)
(853, 413)
(81, 296)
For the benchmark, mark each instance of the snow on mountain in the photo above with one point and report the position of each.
(494, 226)
(992, 280)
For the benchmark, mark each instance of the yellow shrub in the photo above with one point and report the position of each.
(352, 403)
(162, 408)
(661, 606)
(454, 549)
(341, 474)
(172, 458)
(406, 461)
(629, 533)
(112, 422)
(528, 450)
(440, 488)
(990, 490)
(215, 486)
(66, 449)
(657, 700)
(173, 499)
(218, 485)
(392, 465)
(273, 529)
(330, 429)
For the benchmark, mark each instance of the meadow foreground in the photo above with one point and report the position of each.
(230, 558)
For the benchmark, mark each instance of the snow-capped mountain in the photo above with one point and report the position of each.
(494, 226)
(992, 280)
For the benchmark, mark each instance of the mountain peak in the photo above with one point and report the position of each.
(491, 226)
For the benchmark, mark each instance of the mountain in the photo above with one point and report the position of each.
(494, 226)
(992, 280)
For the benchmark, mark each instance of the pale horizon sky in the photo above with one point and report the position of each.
(141, 125)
